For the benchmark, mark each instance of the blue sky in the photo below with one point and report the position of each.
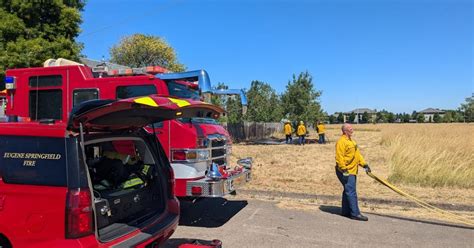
(400, 55)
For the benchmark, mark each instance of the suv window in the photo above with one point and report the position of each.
(124, 92)
(82, 95)
(33, 160)
(46, 104)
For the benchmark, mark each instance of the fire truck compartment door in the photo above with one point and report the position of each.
(133, 113)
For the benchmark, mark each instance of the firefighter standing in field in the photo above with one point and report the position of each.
(287, 129)
(301, 132)
(348, 158)
(320, 129)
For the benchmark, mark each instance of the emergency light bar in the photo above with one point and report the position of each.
(137, 71)
(10, 83)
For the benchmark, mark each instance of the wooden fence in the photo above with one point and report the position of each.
(253, 130)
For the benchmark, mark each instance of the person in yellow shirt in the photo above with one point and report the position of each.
(287, 129)
(348, 158)
(321, 129)
(301, 132)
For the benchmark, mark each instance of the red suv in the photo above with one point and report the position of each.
(99, 180)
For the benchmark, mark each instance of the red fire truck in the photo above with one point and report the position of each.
(198, 148)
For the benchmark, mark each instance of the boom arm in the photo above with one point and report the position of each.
(243, 98)
(201, 75)
(204, 83)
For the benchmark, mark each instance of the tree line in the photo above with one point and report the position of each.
(299, 102)
(462, 114)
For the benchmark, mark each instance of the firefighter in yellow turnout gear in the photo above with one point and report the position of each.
(288, 130)
(321, 130)
(301, 132)
(348, 158)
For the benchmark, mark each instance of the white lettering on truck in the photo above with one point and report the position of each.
(30, 158)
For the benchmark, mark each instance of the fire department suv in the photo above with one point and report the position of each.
(98, 180)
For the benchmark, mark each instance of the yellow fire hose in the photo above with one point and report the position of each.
(423, 204)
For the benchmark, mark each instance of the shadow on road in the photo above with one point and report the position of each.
(209, 212)
(174, 243)
(337, 210)
(330, 209)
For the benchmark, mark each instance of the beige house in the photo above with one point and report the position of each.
(359, 112)
(430, 112)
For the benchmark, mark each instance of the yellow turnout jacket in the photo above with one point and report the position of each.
(321, 129)
(301, 130)
(287, 128)
(348, 155)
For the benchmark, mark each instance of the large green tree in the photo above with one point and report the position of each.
(34, 31)
(234, 109)
(301, 99)
(139, 50)
(263, 103)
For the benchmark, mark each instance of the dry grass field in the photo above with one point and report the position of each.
(434, 162)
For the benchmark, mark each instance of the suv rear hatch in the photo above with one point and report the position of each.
(127, 172)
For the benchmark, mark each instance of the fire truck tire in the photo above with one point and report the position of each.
(4, 243)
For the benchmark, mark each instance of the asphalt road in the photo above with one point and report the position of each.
(253, 223)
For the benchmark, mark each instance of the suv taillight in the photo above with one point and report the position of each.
(79, 222)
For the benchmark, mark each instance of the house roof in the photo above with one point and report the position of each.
(362, 110)
(431, 111)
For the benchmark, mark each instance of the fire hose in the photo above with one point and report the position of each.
(447, 214)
